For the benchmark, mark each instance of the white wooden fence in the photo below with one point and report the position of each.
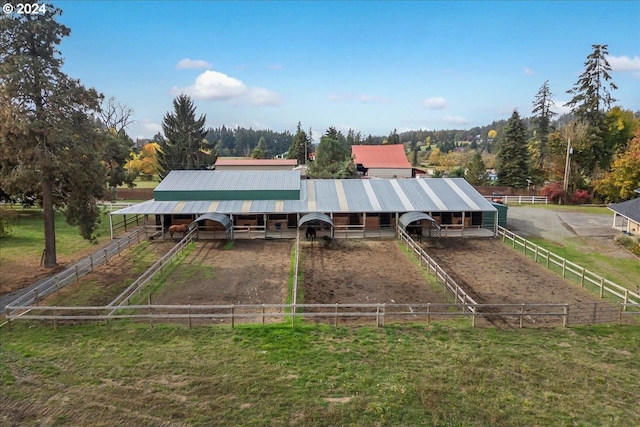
(521, 199)
(79, 269)
(605, 288)
(521, 314)
(460, 296)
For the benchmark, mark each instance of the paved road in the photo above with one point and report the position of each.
(558, 225)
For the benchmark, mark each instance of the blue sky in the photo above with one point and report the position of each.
(373, 66)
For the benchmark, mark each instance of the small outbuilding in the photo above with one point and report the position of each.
(629, 212)
(382, 161)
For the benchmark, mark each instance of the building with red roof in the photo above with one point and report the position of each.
(382, 161)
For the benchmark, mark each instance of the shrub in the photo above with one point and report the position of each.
(580, 197)
(554, 192)
(7, 217)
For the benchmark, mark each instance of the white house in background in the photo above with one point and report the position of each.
(382, 161)
(235, 164)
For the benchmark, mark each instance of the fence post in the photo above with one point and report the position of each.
(626, 298)
(233, 317)
(35, 291)
(189, 314)
(548, 256)
(473, 317)
(377, 315)
(521, 314)
(149, 304)
(118, 244)
(335, 319)
(55, 320)
(77, 275)
(536, 255)
(565, 318)
(620, 314)
(263, 315)
(106, 258)
(91, 261)
(525, 246)
(57, 285)
(602, 287)
(428, 313)
(564, 267)
(582, 278)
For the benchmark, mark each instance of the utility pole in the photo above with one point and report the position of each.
(567, 166)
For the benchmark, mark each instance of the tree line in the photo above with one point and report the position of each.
(63, 146)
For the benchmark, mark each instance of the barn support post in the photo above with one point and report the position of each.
(462, 230)
(495, 225)
(265, 222)
(162, 226)
(364, 224)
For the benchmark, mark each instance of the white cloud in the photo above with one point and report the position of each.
(624, 63)
(213, 85)
(434, 103)
(454, 120)
(528, 71)
(187, 63)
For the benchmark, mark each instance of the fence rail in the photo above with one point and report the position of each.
(516, 314)
(520, 199)
(449, 284)
(605, 288)
(79, 269)
(140, 282)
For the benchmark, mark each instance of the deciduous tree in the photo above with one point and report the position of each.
(619, 184)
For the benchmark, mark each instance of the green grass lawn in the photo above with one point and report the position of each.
(27, 236)
(447, 374)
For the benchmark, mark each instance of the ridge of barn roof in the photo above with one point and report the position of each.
(381, 156)
(206, 180)
(256, 162)
(340, 195)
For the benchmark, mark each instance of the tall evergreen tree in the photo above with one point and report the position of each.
(300, 146)
(542, 116)
(49, 143)
(184, 146)
(591, 98)
(513, 156)
(332, 158)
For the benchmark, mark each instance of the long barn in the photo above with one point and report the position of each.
(274, 204)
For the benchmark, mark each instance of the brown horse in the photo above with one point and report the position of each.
(179, 228)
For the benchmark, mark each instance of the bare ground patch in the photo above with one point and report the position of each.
(493, 273)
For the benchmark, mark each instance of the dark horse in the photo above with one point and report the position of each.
(415, 230)
(310, 234)
(180, 228)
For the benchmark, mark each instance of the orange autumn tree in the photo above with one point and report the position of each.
(624, 177)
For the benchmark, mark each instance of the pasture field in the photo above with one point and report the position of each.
(21, 251)
(444, 374)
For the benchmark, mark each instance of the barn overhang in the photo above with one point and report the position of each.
(219, 218)
(409, 217)
(315, 216)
